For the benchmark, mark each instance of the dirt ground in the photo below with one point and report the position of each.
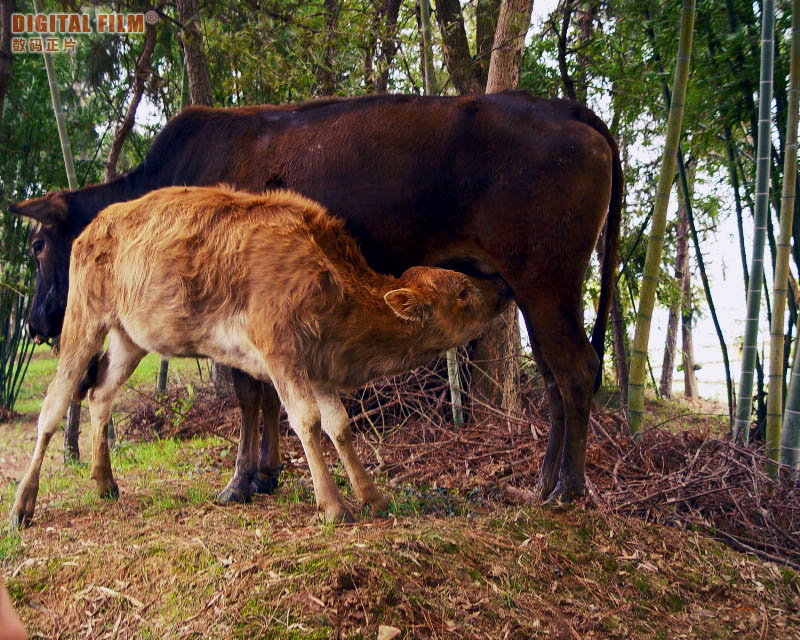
(455, 558)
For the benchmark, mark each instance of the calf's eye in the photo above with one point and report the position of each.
(37, 247)
(462, 295)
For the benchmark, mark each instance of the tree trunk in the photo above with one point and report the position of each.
(509, 38)
(163, 370)
(391, 8)
(486, 13)
(684, 276)
(654, 246)
(497, 376)
(140, 72)
(325, 76)
(193, 54)
(464, 73)
(687, 350)
(566, 79)
(6, 9)
(72, 452)
(744, 408)
(71, 430)
(620, 348)
(668, 365)
(495, 373)
(585, 22)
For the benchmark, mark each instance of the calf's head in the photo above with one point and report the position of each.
(50, 242)
(452, 308)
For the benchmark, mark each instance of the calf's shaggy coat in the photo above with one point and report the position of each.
(267, 283)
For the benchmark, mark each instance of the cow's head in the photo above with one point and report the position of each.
(50, 241)
(452, 307)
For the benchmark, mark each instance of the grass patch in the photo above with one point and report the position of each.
(166, 561)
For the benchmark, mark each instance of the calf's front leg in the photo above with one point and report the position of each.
(114, 368)
(75, 356)
(336, 424)
(297, 396)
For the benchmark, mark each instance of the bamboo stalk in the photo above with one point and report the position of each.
(655, 245)
(744, 407)
(790, 439)
(429, 80)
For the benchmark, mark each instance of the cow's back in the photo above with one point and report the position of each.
(410, 175)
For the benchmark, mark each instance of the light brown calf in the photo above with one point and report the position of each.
(270, 284)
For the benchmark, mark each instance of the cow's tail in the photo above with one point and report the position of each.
(610, 254)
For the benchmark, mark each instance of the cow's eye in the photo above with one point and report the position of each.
(462, 295)
(37, 247)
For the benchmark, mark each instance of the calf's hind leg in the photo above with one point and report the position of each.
(115, 367)
(75, 356)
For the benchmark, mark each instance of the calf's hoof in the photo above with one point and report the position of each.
(237, 490)
(21, 512)
(19, 517)
(338, 513)
(265, 481)
(379, 505)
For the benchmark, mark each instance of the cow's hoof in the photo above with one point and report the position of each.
(110, 493)
(566, 492)
(546, 484)
(265, 481)
(238, 490)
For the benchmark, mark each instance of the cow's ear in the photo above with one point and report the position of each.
(408, 305)
(49, 209)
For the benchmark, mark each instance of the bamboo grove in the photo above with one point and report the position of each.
(702, 97)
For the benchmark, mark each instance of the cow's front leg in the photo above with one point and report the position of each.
(248, 393)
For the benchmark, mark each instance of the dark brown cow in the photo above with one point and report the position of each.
(502, 185)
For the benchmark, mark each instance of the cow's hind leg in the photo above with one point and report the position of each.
(114, 368)
(337, 425)
(75, 356)
(269, 465)
(551, 463)
(563, 346)
(248, 393)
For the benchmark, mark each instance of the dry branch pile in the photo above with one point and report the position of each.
(687, 478)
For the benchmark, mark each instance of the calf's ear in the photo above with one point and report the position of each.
(408, 305)
(49, 209)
